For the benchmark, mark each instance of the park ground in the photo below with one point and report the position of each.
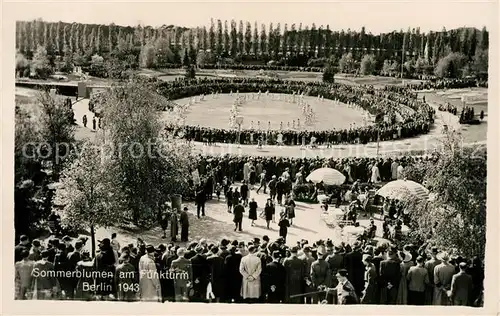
(217, 223)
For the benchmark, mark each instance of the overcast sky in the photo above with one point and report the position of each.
(376, 15)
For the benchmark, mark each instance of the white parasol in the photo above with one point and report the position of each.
(403, 189)
(328, 176)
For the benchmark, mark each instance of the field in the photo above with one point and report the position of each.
(215, 112)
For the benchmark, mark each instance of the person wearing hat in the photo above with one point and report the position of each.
(280, 190)
(430, 265)
(184, 221)
(73, 258)
(105, 265)
(461, 287)
(371, 290)
(273, 280)
(238, 211)
(443, 274)
(244, 192)
(67, 243)
(233, 279)
(182, 267)
(85, 266)
(320, 274)
(149, 280)
(201, 274)
(216, 268)
(418, 279)
(125, 278)
(308, 261)
(35, 251)
(252, 212)
(353, 262)
(346, 294)
(250, 269)
(335, 262)
(272, 187)
(295, 277)
(269, 211)
(283, 224)
(406, 264)
(44, 280)
(390, 277)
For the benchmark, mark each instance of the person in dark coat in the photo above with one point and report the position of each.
(390, 276)
(461, 287)
(201, 198)
(244, 192)
(201, 275)
(73, 258)
(104, 264)
(269, 211)
(216, 268)
(284, 223)
(93, 123)
(252, 212)
(184, 221)
(229, 199)
(295, 277)
(22, 246)
(320, 273)
(238, 216)
(84, 120)
(280, 190)
(233, 277)
(353, 262)
(273, 280)
(125, 278)
(476, 271)
(370, 292)
(61, 265)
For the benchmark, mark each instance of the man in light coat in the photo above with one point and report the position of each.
(149, 280)
(250, 269)
(443, 274)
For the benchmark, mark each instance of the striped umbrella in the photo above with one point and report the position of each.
(329, 176)
(403, 189)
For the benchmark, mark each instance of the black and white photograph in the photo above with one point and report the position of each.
(264, 153)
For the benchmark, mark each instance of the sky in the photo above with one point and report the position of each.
(376, 15)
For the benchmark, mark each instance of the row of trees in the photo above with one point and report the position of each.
(123, 176)
(292, 45)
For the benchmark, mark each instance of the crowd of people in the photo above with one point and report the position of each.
(448, 84)
(255, 271)
(415, 118)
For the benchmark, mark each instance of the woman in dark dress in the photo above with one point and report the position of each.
(283, 224)
(269, 211)
(252, 213)
(290, 209)
(229, 199)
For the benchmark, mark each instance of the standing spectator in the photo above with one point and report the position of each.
(229, 199)
(272, 188)
(476, 271)
(461, 287)
(308, 261)
(216, 269)
(418, 280)
(200, 200)
(390, 275)
(233, 277)
(406, 264)
(274, 278)
(353, 262)
(295, 276)
(346, 293)
(84, 119)
(201, 275)
(149, 282)
(23, 276)
(93, 123)
(182, 267)
(44, 280)
(280, 190)
(320, 274)
(184, 221)
(24, 244)
(35, 251)
(370, 292)
(125, 278)
(430, 265)
(174, 225)
(443, 274)
(250, 269)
